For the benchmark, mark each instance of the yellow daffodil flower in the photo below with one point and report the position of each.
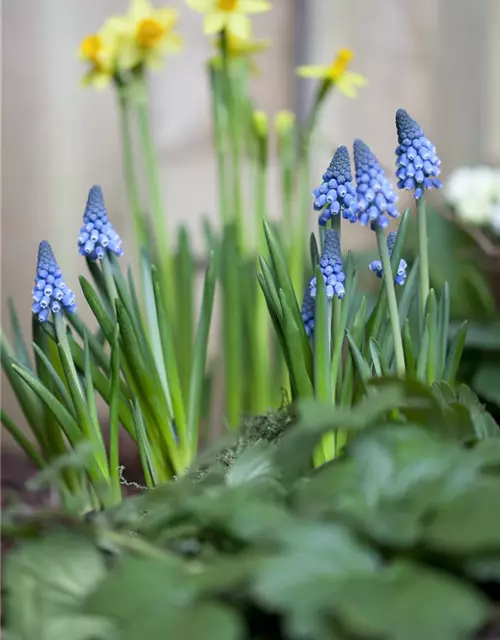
(229, 15)
(337, 73)
(145, 35)
(99, 51)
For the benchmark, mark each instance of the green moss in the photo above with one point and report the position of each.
(267, 427)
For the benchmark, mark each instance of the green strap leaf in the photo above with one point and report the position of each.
(22, 440)
(200, 350)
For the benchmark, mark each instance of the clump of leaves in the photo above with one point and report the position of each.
(397, 539)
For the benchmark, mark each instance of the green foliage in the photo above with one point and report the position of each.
(397, 538)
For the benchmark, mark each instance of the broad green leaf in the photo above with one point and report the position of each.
(469, 523)
(407, 600)
(47, 581)
(302, 581)
(486, 380)
(152, 599)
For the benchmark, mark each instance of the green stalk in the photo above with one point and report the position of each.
(218, 121)
(260, 372)
(423, 255)
(163, 255)
(392, 302)
(233, 140)
(138, 221)
(231, 277)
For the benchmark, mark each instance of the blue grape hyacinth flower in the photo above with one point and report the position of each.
(307, 311)
(331, 267)
(97, 235)
(375, 196)
(377, 268)
(50, 292)
(336, 193)
(418, 166)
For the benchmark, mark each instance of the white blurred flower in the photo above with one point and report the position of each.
(474, 193)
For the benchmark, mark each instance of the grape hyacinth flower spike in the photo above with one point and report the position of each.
(377, 268)
(418, 166)
(375, 196)
(336, 193)
(331, 267)
(50, 292)
(307, 311)
(97, 235)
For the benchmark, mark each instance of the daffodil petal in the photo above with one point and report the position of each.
(141, 9)
(203, 6)
(254, 6)
(239, 25)
(357, 79)
(173, 44)
(167, 17)
(313, 71)
(214, 22)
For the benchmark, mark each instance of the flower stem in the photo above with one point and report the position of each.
(233, 139)
(260, 385)
(423, 255)
(220, 143)
(163, 253)
(392, 302)
(139, 223)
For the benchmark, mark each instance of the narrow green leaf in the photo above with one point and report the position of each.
(102, 316)
(322, 338)
(314, 252)
(149, 384)
(170, 363)
(271, 291)
(153, 295)
(411, 365)
(361, 365)
(20, 349)
(96, 346)
(56, 379)
(145, 453)
(185, 279)
(409, 292)
(302, 380)
(423, 355)
(443, 329)
(357, 333)
(200, 350)
(433, 334)
(100, 283)
(83, 411)
(455, 354)
(375, 354)
(22, 440)
(285, 284)
(114, 412)
(90, 395)
(375, 322)
(62, 415)
(101, 385)
(26, 398)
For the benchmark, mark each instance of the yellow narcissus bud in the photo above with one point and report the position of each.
(284, 122)
(260, 123)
